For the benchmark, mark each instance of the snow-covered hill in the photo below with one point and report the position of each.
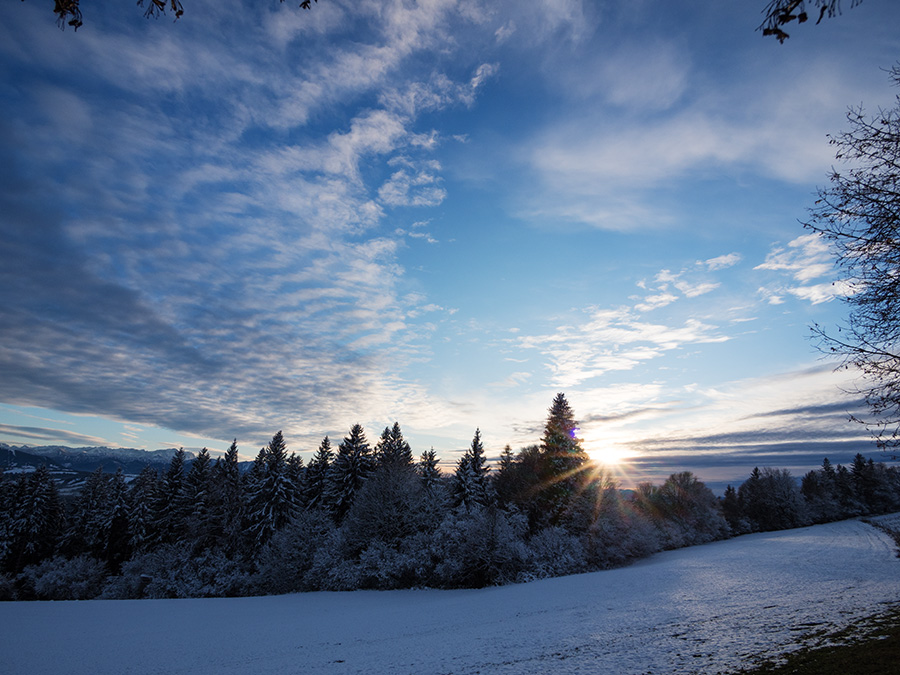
(705, 609)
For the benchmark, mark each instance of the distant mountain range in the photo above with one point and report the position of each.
(70, 466)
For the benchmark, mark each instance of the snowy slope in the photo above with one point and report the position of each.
(704, 609)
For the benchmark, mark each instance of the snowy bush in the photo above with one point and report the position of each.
(285, 561)
(170, 571)
(7, 588)
(771, 500)
(553, 552)
(479, 547)
(58, 578)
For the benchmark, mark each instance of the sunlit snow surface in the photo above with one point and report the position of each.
(705, 609)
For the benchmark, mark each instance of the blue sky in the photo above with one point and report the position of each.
(439, 213)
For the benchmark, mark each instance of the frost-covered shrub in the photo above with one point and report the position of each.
(330, 570)
(771, 500)
(170, 571)
(553, 552)
(479, 547)
(284, 563)
(58, 578)
(683, 509)
(390, 507)
(7, 588)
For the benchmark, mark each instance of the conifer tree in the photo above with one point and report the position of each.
(429, 472)
(504, 478)
(297, 475)
(228, 500)
(392, 448)
(348, 472)
(37, 522)
(561, 461)
(273, 498)
(470, 481)
(143, 495)
(85, 534)
(560, 443)
(201, 528)
(317, 475)
(116, 534)
(172, 507)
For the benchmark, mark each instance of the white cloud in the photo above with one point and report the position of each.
(805, 259)
(613, 340)
(721, 262)
(652, 302)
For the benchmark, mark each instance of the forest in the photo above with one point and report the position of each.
(374, 517)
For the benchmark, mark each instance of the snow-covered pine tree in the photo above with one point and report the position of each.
(228, 500)
(392, 448)
(85, 532)
(201, 527)
(37, 521)
(470, 485)
(297, 475)
(350, 468)
(317, 475)
(562, 460)
(429, 472)
(143, 495)
(116, 534)
(504, 478)
(172, 507)
(273, 501)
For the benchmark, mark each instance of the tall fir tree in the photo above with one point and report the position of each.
(470, 484)
(143, 495)
(317, 475)
(201, 526)
(392, 448)
(429, 472)
(116, 527)
(562, 461)
(352, 465)
(273, 499)
(85, 532)
(172, 507)
(229, 500)
(37, 523)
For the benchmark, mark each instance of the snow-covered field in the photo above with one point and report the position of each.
(705, 609)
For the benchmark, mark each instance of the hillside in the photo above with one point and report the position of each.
(705, 609)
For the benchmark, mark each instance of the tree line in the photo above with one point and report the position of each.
(374, 517)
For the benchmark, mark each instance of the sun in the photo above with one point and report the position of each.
(607, 454)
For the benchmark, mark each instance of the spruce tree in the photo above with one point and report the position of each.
(172, 507)
(392, 448)
(143, 495)
(429, 472)
(85, 534)
(470, 484)
(317, 475)
(116, 534)
(351, 467)
(560, 443)
(37, 522)
(201, 528)
(273, 499)
(562, 461)
(228, 499)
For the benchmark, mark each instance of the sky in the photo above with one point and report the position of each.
(440, 213)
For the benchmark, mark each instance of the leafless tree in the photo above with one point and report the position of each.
(860, 214)
(780, 13)
(68, 12)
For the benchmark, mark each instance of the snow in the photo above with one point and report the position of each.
(705, 609)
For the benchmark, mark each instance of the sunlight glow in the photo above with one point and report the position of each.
(606, 454)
